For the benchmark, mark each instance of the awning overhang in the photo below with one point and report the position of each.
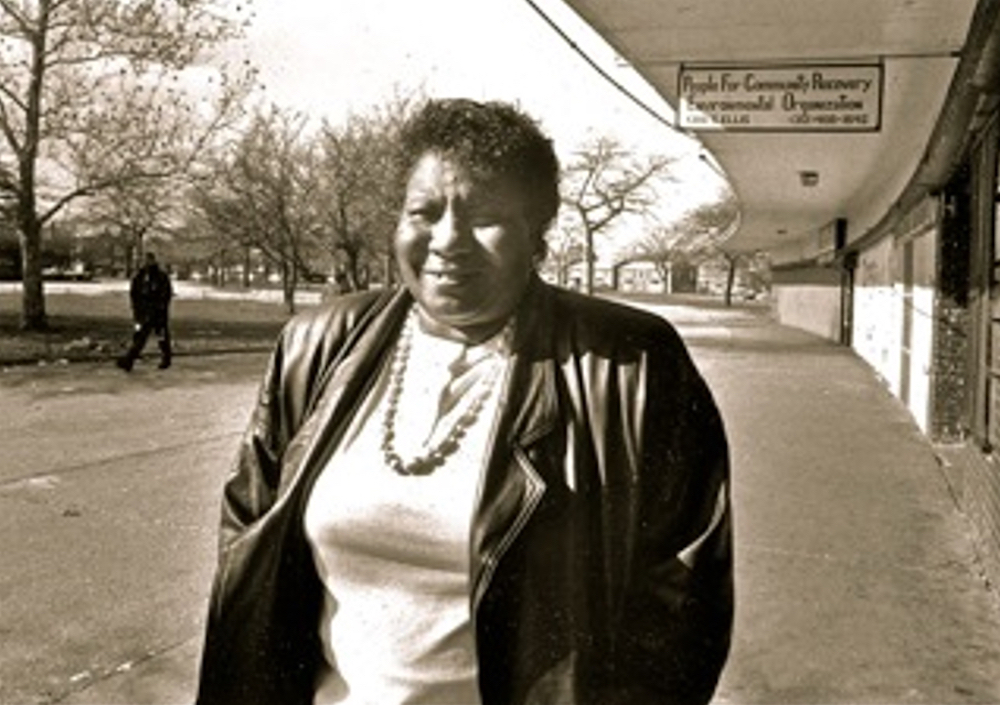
(937, 76)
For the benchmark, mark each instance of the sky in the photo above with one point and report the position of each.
(329, 58)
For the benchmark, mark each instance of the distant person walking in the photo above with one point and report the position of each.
(150, 292)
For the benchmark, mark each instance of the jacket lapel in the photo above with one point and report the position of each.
(512, 485)
(343, 387)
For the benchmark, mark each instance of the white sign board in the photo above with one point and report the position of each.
(783, 98)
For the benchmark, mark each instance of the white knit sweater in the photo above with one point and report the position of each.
(392, 550)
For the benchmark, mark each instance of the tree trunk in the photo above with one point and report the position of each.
(32, 290)
(140, 247)
(129, 255)
(135, 251)
(353, 267)
(33, 315)
(247, 263)
(288, 285)
(666, 280)
(730, 279)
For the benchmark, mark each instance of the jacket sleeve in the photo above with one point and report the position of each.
(285, 393)
(257, 648)
(677, 612)
(307, 348)
(251, 487)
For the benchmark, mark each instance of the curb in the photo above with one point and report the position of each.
(33, 361)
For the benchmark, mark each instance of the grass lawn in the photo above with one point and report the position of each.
(91, 322)
(98, 325)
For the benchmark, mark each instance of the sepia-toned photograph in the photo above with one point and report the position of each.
(499, 352)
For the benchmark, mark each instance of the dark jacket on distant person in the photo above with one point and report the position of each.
(150, 292)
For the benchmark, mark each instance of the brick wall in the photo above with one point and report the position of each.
(974, 478)
(952, 320)
(950, 378)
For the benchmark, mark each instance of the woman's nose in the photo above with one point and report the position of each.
(448, 232)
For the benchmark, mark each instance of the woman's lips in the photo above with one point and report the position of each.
(451, 274)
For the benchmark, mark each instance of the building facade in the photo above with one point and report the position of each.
(919, 300)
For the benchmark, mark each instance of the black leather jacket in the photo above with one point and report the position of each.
(601, 543)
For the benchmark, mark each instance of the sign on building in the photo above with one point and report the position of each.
(781, 98)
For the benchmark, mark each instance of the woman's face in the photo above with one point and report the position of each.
(465, 248)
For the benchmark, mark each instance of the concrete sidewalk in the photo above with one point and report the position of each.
(856, 577)
(856, 580)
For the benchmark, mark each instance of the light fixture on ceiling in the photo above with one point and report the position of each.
(809, 178)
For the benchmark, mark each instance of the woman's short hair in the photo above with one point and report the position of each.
(490, 139)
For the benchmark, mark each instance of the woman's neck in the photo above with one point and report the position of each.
(466, 335)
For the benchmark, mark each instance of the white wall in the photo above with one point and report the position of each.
(880, 305)
(810, 306)
(922, 327)
(808, 298)
(921, 356)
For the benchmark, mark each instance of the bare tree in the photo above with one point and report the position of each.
(199, 243)
(136, 212)
(359, 186)
(751, 266)
(707, 229)
(95, 94)
(309, 202)
(564, 247)
(661, 246)
(259, 195)
(605, 182)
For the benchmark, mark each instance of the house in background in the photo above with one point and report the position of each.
(643, 276)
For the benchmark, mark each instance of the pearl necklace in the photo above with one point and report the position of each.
(435, 457)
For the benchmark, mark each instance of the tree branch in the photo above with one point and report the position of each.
(8, 7)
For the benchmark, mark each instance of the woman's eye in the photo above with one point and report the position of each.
(422, 212)
(485, 220)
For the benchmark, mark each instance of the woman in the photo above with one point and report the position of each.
(478, 488)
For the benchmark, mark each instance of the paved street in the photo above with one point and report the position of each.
(856, 578)
(109, 489)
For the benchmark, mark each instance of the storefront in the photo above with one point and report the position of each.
(925, 300)
(969, 344)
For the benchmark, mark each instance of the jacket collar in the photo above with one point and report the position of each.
(343, 386)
